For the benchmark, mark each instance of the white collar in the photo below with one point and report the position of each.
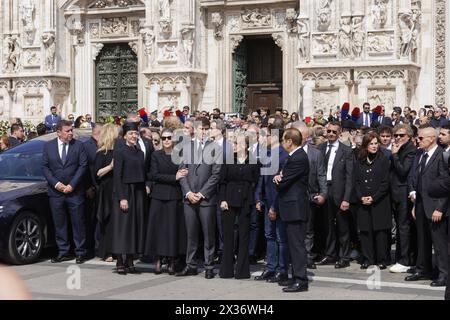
(61, 142)
(432, 151)
(305, 147)
(290, 154)
(334, 144)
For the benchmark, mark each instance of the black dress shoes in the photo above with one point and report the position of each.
(286, 283)
(342, 264)
(80, 259)
(417, 277)
(382, 266)
(311, 265)
(297, 287)
(187, 272)
(439, 283)
(62, 258)
(265, 275)
(326, 261)
(364, 266)
(278, 277)
(209, 274)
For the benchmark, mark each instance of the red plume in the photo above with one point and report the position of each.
(378, 109)
(346, 106)
(166, 113)
(178, 113)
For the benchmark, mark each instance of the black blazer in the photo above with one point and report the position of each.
(238, 183)
(372, 180)
(293, 199)
(163, 176)
(401, 164)
(71, 173)
(342, 174)
(90, 146)
(435, 170)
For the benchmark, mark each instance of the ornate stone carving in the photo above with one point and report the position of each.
(324, 12)
(291, 20)
(380, 74)
(77, 30)
(148, 38)
(380, 42)
(440, 55)
(358, 36)
(187, 36)
(27, 11)
(166, 28)
(34, 106)
(233, 23)
(409, 28)
(168, 52)
(325, 44)
(94, 30)
(217, 22)
(31, 58)
(11, 54)
(134, 46)
(48, 40)
(385, 97)
(96, 48)
(135, 27)
(235, 41)
(112, 27)
(256, 18)
(279, 40)
(325, 99)
(303, 39)
(317, 76)
(114, 3)
(164, 9)
(345, 37)
(378, 12)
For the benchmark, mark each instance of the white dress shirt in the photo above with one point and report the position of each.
(305, 148)
(290, 154)
(60, 148)
(331, 160)
(142, 145)
(430, 154)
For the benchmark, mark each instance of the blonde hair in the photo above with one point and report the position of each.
(108, 137)
(173, 123)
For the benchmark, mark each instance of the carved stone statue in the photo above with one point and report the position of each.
(187, 35)
(257, 17)
(217, 22)
(48, 39)
(409, 26)
(324, 15)
(358, 37)
(291, 20)
(12, 54)
(303, 38)
(164, 9)
(345, 34)
(148, 38)
(379, 13)
(27, 9)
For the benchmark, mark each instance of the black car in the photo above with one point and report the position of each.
(26, 225)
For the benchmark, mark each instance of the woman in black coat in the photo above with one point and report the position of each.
(236, 197)
(371, 174)
(166, 231)
(127, 216)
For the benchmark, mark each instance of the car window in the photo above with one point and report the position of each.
(23, 165)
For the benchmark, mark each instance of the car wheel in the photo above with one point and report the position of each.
(26, 239)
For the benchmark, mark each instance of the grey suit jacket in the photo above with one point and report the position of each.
(317, 172)
(203, 177)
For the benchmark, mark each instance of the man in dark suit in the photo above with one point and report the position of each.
(402, 158)
(339, 167)
(365, 119)
(17, 135)
(51, 120)
(317, 189)
(90, 146)
(202, 159)
(291, 204)
(430, 212)
(438, 120)
(64, 164)
(383, 120)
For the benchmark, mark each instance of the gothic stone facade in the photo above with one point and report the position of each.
(393, 52)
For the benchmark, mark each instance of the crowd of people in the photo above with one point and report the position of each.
(345, 188)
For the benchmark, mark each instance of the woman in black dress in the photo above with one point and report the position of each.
(236, 196)
(103, 167)
(127, 216)
(371, 174)
(166, 232)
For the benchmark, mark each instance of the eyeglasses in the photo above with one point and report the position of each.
(399, 135)
(332, 131)
(421, 138)
(166, 138)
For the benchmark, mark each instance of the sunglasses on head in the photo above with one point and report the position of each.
(166, 138)
(332, 131)
(399, 135)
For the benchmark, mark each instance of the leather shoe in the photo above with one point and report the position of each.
(265, 275)
(364, 266)
(311, 265)
(286, 283)
(382, 266)
(61, 258)
(278, 277)
(326, 261)
(417, 277)
(80, 259)
(209, 274)
(439, 283)
(297, 287)
(187, 272)
(342, 264)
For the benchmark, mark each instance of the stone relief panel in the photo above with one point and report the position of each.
(169, 100)
(385, 97)
(94, 29)
(233, 23)
(325, 99)
(379, 14)
(324, 14)
(280, 19)
(440, 53)
(256, 18)
(114, 3)
(31, 58)
(114, 27)
(380, 42)
(34, 106)
(168, 52)
(325, 44)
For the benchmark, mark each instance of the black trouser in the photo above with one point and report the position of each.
(402, 213)
(447, 289)
(431, 234)
(338, 226)
(242, 263)
(373, 245)
(310, 230)
(296, 234)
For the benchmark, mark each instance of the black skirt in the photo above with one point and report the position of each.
(104, 209)
(128, 228)
(166, 229)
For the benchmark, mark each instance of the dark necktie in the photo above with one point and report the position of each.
(422, 165)
(64, 153)
(328, 154)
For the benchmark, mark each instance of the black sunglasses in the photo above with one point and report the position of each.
(166, 138)
(400, 135)
(332, 131)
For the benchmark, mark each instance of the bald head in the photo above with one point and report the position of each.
(427, 138)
